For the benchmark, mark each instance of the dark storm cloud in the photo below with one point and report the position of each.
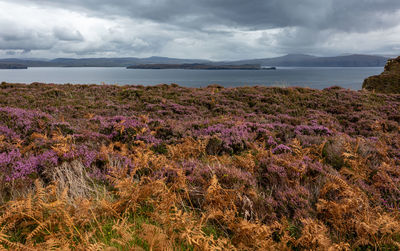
(207, 28)
(359, 15)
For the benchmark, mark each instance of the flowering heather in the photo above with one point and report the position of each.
(233, 138)
(14, 166)
(281, 149)
(7, 132)
(22, 120)
(173, 168)
(83, 153)
(312, 130)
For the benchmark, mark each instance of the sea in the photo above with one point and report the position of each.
(312, 77)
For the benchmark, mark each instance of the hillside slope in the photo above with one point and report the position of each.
(388, 81)
(301, 60)
(172, 168)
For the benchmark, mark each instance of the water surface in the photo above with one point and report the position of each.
(313, 77)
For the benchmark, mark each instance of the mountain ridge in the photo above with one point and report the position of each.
(354, 60)
(295, 60)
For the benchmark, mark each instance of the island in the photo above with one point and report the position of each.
(268, 68)
(13, 66)
(197, 66)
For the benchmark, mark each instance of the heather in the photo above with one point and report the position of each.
(173, 168)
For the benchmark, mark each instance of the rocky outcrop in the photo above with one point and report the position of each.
(388, 81)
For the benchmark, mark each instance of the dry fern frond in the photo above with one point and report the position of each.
(189, 148)
(342, 246)
(42, 226)
(314, 235)
(156, 238)
(218, 198)
(9, 244)
(245, 162)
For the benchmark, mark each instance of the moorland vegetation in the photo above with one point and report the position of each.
(91, 167)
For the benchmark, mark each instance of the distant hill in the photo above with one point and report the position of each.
(302, 60)
(120, 62)
(100, 62)
(288, 60)
(388, 81)
(26, 62)
(12, 66)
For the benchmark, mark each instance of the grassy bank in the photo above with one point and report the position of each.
(174, 168)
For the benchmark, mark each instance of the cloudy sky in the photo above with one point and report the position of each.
(207, 29)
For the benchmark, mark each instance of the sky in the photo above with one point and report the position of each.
(201, 29)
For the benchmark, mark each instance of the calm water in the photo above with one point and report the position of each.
(313, 77)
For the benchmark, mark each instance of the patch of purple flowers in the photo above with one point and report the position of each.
(16, 166)
(20, 119)
(8, 133)
(235, 137)
(281, 149)
(313, 130)
(83, 153)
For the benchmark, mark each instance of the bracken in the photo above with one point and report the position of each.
(90, 167)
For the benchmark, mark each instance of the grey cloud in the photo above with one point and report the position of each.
(9, 32)
(252, 14)
(114, 45)
(19, 37)
(219, 29)
(26, 41)
(298, 40)
(25, 45)
(66, 34)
